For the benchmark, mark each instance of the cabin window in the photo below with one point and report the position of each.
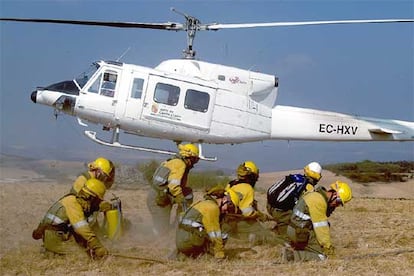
(196, 100)
(166, 94)
(108, 84)
(136, 91)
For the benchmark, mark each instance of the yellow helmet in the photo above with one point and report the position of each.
(188, 150)
(233, 196)
(95, 188)
(247, 168)
(313, 170)
(343, 191)
(103, 164)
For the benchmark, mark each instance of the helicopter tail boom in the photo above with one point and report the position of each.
(292, 123)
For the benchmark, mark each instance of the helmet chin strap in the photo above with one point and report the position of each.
(311, 180)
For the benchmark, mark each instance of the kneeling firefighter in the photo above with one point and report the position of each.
(199, 230)
(246, 223)
(65, 230)
(309, 229)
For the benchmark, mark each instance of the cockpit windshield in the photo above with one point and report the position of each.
(86, 76)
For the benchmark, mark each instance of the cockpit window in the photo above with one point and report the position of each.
(86, 76)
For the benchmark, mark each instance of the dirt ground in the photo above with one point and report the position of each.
(373, 234)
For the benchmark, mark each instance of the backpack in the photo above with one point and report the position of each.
(284, 194)
(160, 177)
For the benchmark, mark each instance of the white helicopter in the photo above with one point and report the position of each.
(200, 102)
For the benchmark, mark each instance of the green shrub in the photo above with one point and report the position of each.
(197, 180)
(369, 171)
(207, 179)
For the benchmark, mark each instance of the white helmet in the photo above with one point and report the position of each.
(313, 170)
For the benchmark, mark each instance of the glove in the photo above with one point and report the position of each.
(262, 216)
(329, 251)
(96, 249)
(254, 204)
(105, 206)
(179, 199)
(39, 232)
(100, 252)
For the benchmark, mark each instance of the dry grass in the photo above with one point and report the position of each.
(373, 236)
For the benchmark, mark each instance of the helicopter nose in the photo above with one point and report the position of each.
(33, 96)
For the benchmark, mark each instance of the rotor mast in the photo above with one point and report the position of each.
(192, 25)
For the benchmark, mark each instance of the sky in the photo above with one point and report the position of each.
(355, 69)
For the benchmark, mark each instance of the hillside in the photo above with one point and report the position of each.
(370, 233)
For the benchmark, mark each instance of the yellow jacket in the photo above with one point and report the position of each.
(317, 205)
(177, 178)
(246, 195)
(70, 213)
(207, 214)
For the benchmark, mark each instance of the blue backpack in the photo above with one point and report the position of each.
(284, 194)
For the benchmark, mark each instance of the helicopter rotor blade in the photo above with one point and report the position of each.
(174, 26)
(216, 26)
(171, 26)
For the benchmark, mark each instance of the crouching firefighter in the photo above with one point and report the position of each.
(65, 229)
(246, 224)
(309, 229)
(284, 194)
(199, 230)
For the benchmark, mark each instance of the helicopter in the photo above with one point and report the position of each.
(200, 102)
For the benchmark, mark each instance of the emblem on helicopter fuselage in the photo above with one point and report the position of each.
(235, 80)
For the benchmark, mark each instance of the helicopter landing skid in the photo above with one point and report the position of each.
(115, 143)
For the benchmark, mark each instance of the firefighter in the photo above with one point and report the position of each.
(309, 229)
(104, 170)
(199, 230)
(169, 187)
(312, 173)
(246, 223)
(65, 230)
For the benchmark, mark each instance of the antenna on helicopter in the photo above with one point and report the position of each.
(191, 26)
(123, 54)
